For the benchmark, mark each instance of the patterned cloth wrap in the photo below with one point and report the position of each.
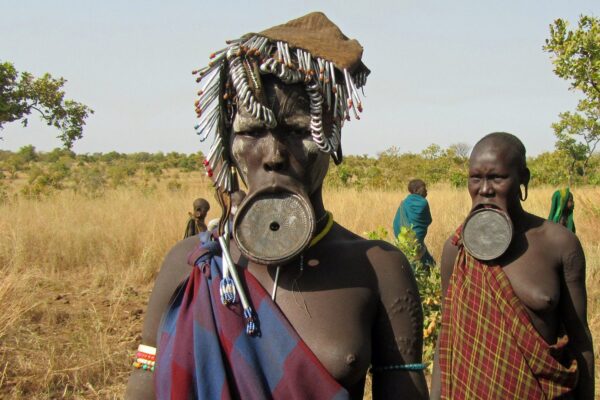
(205, 353)
(489, 348)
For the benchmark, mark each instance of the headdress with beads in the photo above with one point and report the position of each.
(310, 50)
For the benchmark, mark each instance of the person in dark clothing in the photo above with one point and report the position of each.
(196, 223)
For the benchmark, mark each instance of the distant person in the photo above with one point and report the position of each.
(196, 223)
(562, 207)
(414, 213)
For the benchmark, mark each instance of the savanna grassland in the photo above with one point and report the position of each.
(77, 271)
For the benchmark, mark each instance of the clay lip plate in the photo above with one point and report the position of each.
(274, 228)
(487, 233)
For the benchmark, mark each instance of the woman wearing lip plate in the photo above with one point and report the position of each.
(315, 320)
(515, 327)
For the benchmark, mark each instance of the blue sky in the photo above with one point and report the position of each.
(442, 71)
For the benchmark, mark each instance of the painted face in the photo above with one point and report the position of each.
(282, 167)
(494, 178)
(284, 157)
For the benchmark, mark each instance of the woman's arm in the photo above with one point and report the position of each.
(173, 273)
(397, 341)
(573, 309)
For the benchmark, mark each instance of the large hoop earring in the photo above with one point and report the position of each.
(523, 198)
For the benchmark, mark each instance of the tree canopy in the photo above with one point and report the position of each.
(575, 54)
(21, 94)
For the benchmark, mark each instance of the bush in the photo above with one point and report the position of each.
(458, 179)
(91, 181)
(153, 169)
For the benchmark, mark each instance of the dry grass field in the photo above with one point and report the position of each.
(77, 272)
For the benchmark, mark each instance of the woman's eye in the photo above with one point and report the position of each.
(249, 133)
(300, 132)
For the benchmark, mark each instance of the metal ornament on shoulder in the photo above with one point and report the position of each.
(273, 228)
(487, 233)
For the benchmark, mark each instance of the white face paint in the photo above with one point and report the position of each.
(281, 166)
(281, 155)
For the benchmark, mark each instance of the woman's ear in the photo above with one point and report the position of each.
(526, 175)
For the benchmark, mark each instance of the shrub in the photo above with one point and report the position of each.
(91, 181)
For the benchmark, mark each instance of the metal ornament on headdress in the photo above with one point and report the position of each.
(487, 233)
(311, 50)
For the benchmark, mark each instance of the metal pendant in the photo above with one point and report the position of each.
(273, 228)
(487, 233)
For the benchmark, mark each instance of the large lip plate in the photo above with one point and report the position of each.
(258, 242)
(487, 233)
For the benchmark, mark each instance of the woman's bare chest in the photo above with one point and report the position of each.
(535, 279)
(334, 321)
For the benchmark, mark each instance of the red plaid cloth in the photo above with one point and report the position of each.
(489, 348)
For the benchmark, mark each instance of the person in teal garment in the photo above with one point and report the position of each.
(561, 210)
(414, 213)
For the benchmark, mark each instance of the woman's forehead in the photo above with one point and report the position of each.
(501, 156)
(290, 104)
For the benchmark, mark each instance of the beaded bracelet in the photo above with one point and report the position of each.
(399, 367)
(145, 358)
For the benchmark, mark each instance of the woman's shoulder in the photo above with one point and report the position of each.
(550, 232)
(378, 254)
(178, 254)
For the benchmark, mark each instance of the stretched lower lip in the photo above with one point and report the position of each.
(486, 206)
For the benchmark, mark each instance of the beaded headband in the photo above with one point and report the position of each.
(232, 79)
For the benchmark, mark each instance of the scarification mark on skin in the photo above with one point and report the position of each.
(407, 345)
(408, 304)
(416, 312)
(400, 305)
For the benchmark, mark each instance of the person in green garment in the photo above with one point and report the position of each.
(561, 210)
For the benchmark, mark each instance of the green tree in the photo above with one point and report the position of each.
(432, 152)
(21, 94)
(575, 54)
(28, 153)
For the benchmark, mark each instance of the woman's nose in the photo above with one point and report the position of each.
(275, 158)
(487, 188)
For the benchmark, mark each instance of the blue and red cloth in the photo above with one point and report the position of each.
(205, 353)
